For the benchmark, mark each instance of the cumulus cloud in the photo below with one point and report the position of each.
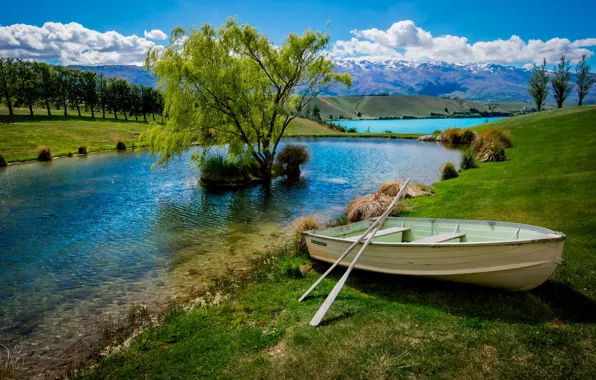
(155, 34)
(72, 44)
(404, 40)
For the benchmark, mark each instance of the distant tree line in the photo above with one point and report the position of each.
(40, 85)
(561, 82)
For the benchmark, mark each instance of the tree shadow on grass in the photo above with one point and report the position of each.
(549, 302)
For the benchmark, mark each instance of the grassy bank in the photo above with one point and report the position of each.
(22, 134)
(399, 327)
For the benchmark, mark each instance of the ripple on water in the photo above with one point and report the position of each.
(83, 238)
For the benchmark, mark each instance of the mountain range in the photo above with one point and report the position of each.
(474, 81)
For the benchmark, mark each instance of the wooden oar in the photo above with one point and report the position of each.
(376, 226)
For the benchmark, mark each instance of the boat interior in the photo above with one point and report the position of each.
(432, 231)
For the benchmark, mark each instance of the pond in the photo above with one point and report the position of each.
(413, 125)
(83, 238)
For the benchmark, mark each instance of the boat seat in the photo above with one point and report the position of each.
(386, 231)
(440, 237)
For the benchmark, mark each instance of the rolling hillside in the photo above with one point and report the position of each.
(399, 106)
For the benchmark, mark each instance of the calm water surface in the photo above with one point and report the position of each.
(412, 126)
(82, 238)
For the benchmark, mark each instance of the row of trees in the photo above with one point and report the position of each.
(561, 82)
(35, 84)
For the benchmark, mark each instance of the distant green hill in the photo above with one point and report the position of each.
(407, 105)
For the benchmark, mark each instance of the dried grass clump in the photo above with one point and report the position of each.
(306, 223)
(44, 153)
(468, 160)
(458, 136)
(391, 189)
(291, 157)
(490, 151)
(3, 162)
(367, 206)
(121, 145)
(448, 171)
(83, 149)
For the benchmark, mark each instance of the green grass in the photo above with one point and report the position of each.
(400, 327)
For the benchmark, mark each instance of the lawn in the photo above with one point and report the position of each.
(398, 327)
(20, 136)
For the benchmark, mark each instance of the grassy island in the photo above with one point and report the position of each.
(399, 327)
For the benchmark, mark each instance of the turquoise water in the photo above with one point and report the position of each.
(84, 237)
(412, 126)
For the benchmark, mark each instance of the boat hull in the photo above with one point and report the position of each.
(514, 266)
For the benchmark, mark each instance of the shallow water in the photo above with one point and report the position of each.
(412, 126)
(82, 238)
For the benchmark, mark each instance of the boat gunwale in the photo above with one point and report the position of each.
(549, 235)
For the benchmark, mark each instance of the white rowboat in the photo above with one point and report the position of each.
(510, 256)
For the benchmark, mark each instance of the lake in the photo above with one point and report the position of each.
(412, 126)
(83, 238)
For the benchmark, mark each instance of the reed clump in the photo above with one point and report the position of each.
(291, 157)
(468, 160)
(458, 136)
(448, 171)
(367, 206)
(44, 153)
(305, 223)
(121, 145)
(3, 162)
(391, 188)
(83, 149)
(490, 144)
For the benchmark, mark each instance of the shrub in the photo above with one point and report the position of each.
(367, 206)
(467, 137)
(44, 153)
(121, 145)
(468, 160)
(306, 223)
(352, 130)
(291, 157)
(452, 135)
(83, 149)
(448, 171)
(437, 132)
(391, 189)
(490, 151)
(217, 169)
(3, 162)
(70, 154)
(388, 131)
(498, 135)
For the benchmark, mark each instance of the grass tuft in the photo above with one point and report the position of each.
(391, 188)
(367, 206)
(306, 223)
(121, 145)
(83, 149)
(44, 153)
(340, 220)
(3, 162)
(448, 171)
(291, 157)
(468, 160)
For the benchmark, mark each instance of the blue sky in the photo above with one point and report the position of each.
(474, 21)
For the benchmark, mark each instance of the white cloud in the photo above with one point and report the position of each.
(404, 40)
(155, 34)
(72, 44)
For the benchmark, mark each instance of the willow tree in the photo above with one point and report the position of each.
(232, 87)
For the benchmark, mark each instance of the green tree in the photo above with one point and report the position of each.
(118, 96)
(102, 92)
(585, 79)
(316, 112)
(89, 90)
(47, 79)
(233, 87)
(7, 82)
(561, 81)
(136, 101)
(75, 89)
(63, 86)
(28, 86)
(539, 85)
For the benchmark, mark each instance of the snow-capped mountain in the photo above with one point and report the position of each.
(470, 81)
